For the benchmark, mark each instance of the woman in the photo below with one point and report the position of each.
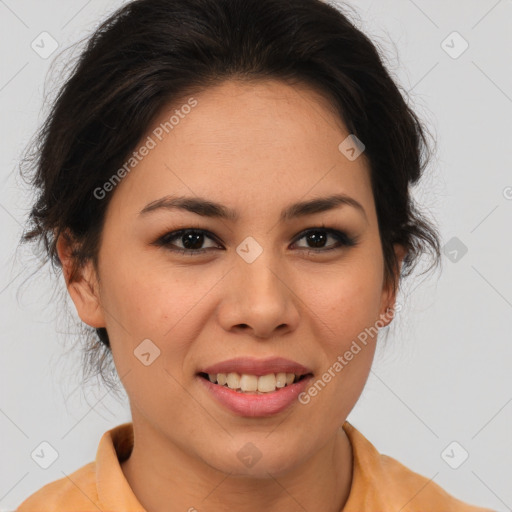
(225, 185)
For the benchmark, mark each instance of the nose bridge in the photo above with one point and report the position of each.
(258, 268)
(259, 298)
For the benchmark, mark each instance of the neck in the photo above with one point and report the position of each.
(163, 477)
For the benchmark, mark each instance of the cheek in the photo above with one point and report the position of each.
(167, 306)
(343, 311)
(150, 296)
(345, 300)
(162, 307)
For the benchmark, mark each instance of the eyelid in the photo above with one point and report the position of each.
(343, 238)
(174, 234)
(341, 235)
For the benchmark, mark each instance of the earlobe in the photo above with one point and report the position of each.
(400, 255)
(388, 294)
(83, 286)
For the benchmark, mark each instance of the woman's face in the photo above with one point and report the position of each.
(264, 287)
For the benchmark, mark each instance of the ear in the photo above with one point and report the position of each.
(83, 287)
(388, 294)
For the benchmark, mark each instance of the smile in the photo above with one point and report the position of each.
(246, 383)
(254, 403)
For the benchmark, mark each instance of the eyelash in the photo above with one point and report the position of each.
(342, 238)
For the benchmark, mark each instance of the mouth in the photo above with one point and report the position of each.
(254, 384)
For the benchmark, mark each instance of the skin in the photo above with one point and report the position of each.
(257, 149)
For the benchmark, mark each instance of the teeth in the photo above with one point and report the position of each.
(233, 380)
(249, 382)
(281, 380)
(266, 383)
(252, 383)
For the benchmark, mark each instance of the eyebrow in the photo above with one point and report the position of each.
(207, 208)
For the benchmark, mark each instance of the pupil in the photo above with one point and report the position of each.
(188, 240)
(315, 237)
(194, 240)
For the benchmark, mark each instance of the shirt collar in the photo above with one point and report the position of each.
(115, 493)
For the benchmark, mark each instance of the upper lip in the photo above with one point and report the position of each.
(258, 367)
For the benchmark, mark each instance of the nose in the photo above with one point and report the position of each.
(259, 299)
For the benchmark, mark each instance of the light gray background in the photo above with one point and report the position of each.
(443, 374)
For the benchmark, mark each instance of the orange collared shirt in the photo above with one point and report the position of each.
(379, 483)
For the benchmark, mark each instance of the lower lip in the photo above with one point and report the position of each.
(255, 405)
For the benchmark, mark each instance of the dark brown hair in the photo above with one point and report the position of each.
(150, 53)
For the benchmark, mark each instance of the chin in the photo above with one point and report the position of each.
(255, 457)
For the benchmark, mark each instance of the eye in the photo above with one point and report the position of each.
(318, 237)
(192, 240)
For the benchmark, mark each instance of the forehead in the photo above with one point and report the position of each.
(246, 143)
(272, 111)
